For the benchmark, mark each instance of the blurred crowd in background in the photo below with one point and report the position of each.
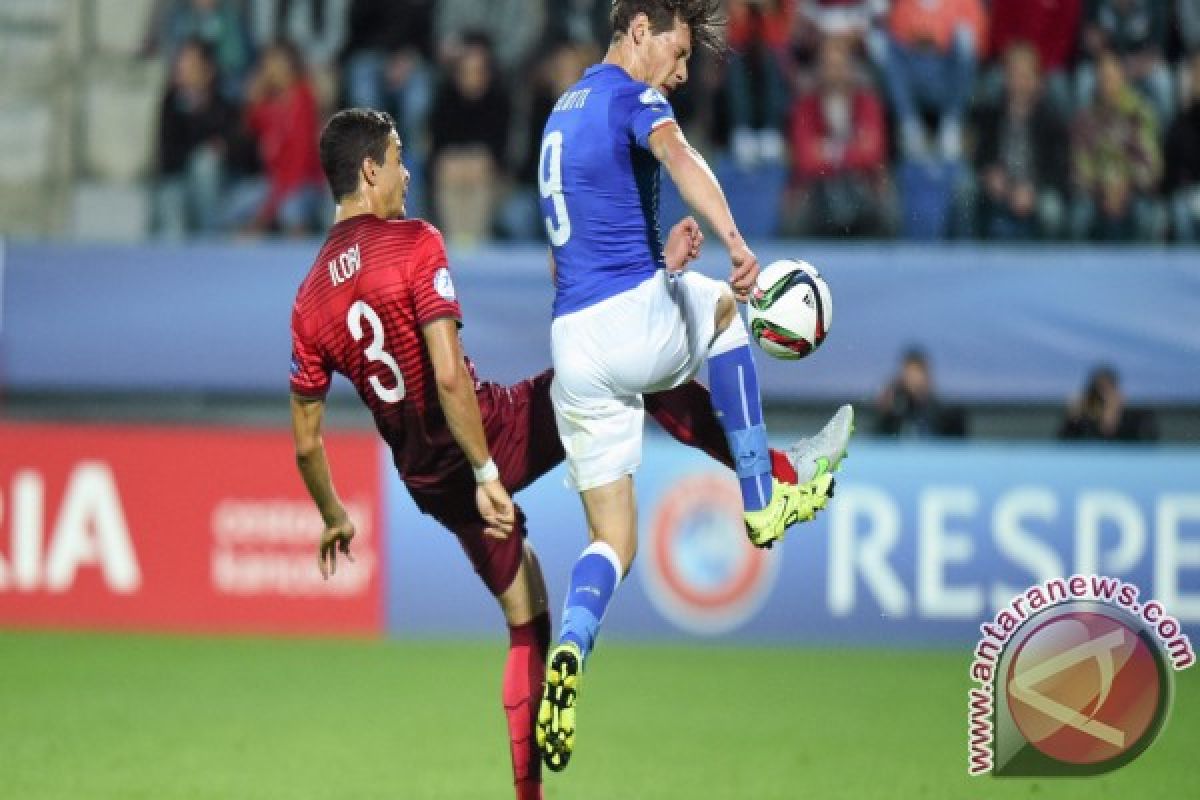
(922, 119)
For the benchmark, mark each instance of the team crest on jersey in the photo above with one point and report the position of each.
(653, 97)
(443, 285)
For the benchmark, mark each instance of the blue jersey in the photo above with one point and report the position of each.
(599, 186)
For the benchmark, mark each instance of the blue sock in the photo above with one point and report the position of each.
(734, 385)
(593, 581)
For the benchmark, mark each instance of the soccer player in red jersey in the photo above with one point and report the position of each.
(379, 307)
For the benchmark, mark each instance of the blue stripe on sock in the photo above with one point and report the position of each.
(733, 382)
(593, 581)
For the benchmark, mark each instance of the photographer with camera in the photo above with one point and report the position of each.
(908, 406)
(1101, 414)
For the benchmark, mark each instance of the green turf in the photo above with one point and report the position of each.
(92, 716)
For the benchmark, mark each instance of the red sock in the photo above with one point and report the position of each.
(782, 469)
(523, 675)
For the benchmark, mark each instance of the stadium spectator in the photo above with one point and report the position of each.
(469, 131)
(839, 151)
(281, 113)
(817, 20)
(1136, 31)
(928, 57)
(1188, 14)
(583, 22)
(555, 74)
(1052, 28)
(1101, 413)
(757, 86)
(387, 64)
(316, 27)
(195, 128)
(219, 23)
(842, 18)
(1115, 160)
(1183, 161)
(908, 405)
(1021, 155)
(515, 27)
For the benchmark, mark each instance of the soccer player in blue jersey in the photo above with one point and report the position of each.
(623, 326)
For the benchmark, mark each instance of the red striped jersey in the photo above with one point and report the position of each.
(359, 312)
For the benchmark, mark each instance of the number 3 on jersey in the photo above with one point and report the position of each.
(550, 185)
(375, 352)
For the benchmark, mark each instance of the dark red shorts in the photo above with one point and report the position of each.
(519, 422)
(523, 437)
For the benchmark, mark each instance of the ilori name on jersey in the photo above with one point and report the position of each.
(344, 267)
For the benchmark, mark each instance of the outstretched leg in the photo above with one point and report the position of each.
(771, 506)
(525, 609)
(686, 413)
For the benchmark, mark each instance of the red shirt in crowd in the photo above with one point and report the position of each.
(1051, 26)
(286, 126)
(820, 152)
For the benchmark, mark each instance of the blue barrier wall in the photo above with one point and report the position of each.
(919, 546)
(1007, 324)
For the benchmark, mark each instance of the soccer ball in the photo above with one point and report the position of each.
(790, 309)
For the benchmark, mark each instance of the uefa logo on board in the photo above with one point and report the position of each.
(699, 569)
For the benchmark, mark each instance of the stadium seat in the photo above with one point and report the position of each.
(120, 114)
(109, 212)
(755, 196)
(26, 141)
(927, 198)
(32, 211)
(119, 26)
(39, 40)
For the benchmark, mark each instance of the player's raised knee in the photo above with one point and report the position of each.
(726, 309)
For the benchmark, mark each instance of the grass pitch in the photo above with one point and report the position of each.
(104, 716)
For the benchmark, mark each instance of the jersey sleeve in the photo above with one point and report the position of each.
(645, 110)
(309, 375)
(432, 288)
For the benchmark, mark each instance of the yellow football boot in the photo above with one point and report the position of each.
(556, 714)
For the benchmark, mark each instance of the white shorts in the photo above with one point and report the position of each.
(653, 337)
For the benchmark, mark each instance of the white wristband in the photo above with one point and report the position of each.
(488, 472)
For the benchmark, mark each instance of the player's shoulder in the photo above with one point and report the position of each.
(640, 92)
(625, 87)
(634, 96)
(414, 232)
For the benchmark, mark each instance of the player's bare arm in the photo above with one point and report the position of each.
(683, 244)
(456, 395)
(701, 191)
(307, 414)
